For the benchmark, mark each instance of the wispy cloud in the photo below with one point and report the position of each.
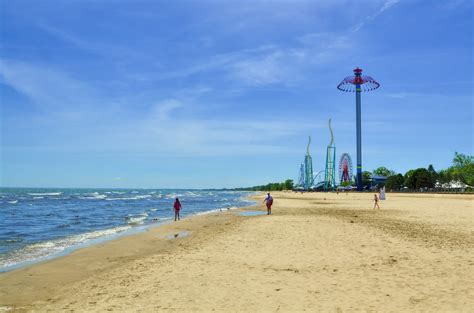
(47, 86)
(103, 49)
(386, 6)
(271, 64)
(162, 129)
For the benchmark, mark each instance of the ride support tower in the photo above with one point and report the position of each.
(330, 174)
(358, 83)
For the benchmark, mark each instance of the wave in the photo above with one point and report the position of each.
(13, 202)
(216, 210)
(44, 193)
(129, 198)
(48, 248)
(192, 194)
(173, 195)
(10, 241)
(93, 196)
(137, 220)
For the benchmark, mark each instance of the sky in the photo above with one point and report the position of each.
(213, 94)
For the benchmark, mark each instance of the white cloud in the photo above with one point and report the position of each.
(163, 109)
(105, 50)
(387, 5)
(165, 128)
(46, 86)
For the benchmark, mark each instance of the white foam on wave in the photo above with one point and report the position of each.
(93, 196)
(174, 195)
(192, 194)
(144, 197)
(217, 210)
(137, 220)
(37, 198)
(45, 193)
(48, 248)
(13, 202)
(129, 198)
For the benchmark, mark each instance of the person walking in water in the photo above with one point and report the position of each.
(268, 201)
(376, 202)
(177, 208)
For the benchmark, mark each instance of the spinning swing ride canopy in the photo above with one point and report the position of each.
(366, 83)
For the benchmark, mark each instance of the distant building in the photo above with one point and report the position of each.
(377, 180)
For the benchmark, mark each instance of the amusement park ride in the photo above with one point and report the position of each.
(330, 177)
(325, 179)
(358, 83)
(308, 180)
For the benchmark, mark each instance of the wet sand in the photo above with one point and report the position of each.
(317, 252)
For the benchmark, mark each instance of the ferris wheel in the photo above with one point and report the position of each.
(345, 168)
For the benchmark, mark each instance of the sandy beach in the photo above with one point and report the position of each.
(317, 252)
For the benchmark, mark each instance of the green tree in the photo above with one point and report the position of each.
(366, 177)
(445, 176)
(394, 182)
(408, 180)
(383, 171)
(433, 175)
(463, 168)
(289, 184)
(419, 178)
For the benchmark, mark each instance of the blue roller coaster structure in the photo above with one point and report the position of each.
(330, 172)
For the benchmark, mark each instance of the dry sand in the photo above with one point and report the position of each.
(317, 252)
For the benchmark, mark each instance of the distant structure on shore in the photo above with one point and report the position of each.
(306, 179)
(330, 171)
(358, 83)
(308, 168)
(345, 169)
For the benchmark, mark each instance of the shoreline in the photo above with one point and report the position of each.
(163, 232)
(130, 231)
(315, 252)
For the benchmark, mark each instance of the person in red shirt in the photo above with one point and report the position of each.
(177, 208)
(269, 201)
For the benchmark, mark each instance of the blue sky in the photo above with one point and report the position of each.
(200, 94)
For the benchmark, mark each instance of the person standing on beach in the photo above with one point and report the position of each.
(177, 208)
(268, 201)
(376, 202)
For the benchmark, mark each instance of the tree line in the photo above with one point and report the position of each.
(286, 185)
(461, 170)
